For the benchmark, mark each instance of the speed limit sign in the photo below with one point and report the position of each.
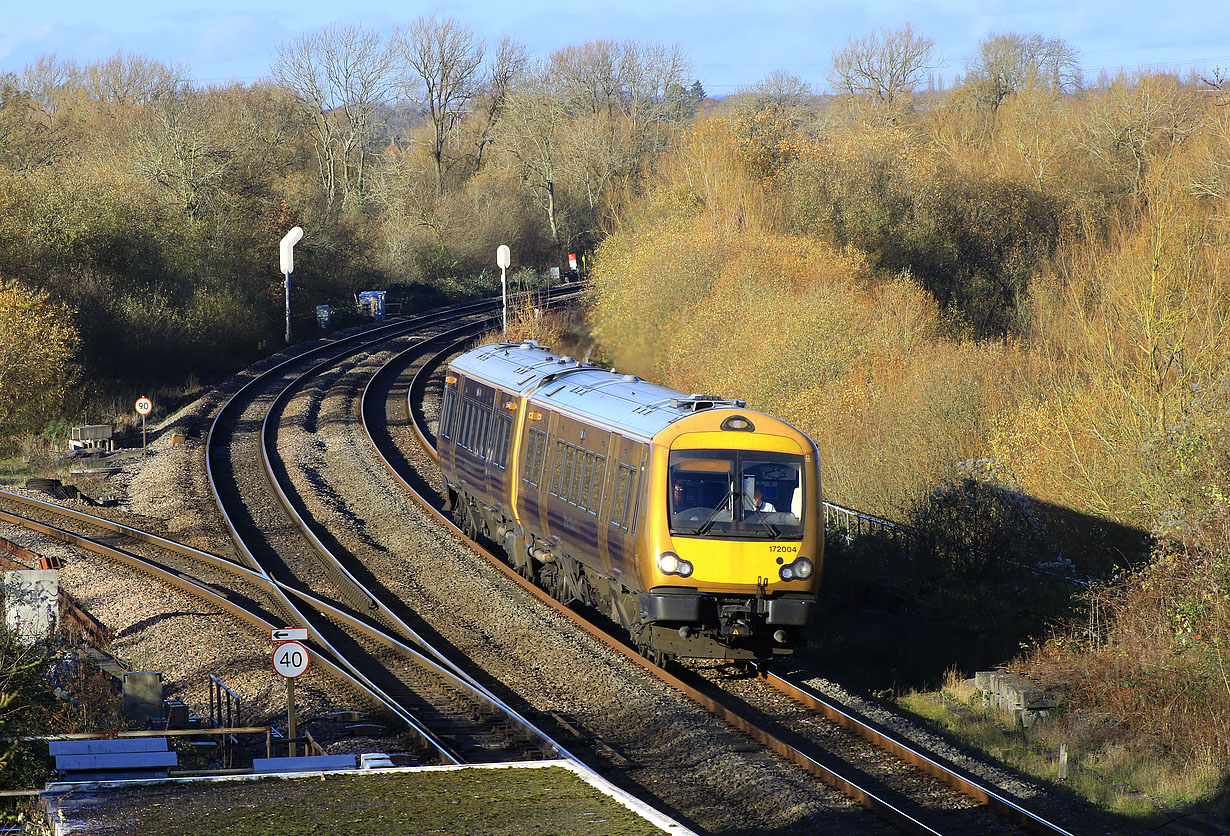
(290, 659)
(144, 406)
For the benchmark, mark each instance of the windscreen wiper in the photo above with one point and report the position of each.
(760, 518)
(712, 518)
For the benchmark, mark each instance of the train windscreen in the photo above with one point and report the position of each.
(736, 494)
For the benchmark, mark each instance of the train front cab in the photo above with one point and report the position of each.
(735, 535)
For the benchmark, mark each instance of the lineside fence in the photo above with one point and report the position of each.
(932, 555)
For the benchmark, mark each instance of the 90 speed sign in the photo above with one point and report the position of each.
(291, 659)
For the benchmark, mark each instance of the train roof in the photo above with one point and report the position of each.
(621, 402)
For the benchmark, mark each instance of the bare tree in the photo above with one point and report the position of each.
(1134, 124)
(781, 90)
(1011, 63)
(27, 139)
(588, 76)
(883, 67)
(177, 147)
(533, 134)
(47, 78)
(340, 75)
(491, 102)
(445, 60)
(130, 80)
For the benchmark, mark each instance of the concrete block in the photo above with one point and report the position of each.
(1018, 692)
(985, 680)
(31, 603)
(313, 763)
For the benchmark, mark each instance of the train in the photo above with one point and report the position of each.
(690, 520)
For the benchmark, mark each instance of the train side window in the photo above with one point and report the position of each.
(474, 419)
(634, 499)
(570, 468)
(584, 478)
(560, 449)
(535, 447)
(499, 443)
(594, 502)
(585, 471)
(619, 508)
(463, 422)
(446, 413)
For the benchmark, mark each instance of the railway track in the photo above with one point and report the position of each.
(916, 792)
(456, 717)
(283, 565)
(269, 419)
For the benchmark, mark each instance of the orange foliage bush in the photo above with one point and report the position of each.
(700, 293)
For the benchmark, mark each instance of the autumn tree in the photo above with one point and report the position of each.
(37, 347)
(884, 67)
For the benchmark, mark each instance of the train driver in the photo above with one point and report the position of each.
(759, 503)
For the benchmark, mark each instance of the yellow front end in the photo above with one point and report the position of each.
(714, 527)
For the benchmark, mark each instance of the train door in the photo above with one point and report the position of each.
(446, 431)
(497, 447)
(620, 524)
(535, 456)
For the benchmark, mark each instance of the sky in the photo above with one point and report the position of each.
(732, 43)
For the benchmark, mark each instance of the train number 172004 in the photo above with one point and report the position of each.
(783, 548)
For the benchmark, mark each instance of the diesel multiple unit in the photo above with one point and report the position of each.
(690, 520)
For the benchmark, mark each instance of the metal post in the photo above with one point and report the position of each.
(287, 275)
(290, 714)
(503, 258)
(286, 253)
(144, 440)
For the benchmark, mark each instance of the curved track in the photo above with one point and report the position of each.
(415, 684)
(904, 793)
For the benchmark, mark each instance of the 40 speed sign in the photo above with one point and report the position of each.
(290, 659)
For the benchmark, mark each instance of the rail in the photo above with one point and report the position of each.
(430, 659)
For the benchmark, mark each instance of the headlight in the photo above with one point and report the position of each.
(803, 568)
(685, 568)
(668, 562)
(786, 572)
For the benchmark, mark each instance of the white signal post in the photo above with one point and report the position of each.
(143, 406)
(503, 258)
(291, 659)
(286, 250)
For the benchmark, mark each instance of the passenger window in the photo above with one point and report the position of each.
(570, 466)
(560, 449)
(534, 449)
(619, 509)
(594, 503)
(581, 482)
